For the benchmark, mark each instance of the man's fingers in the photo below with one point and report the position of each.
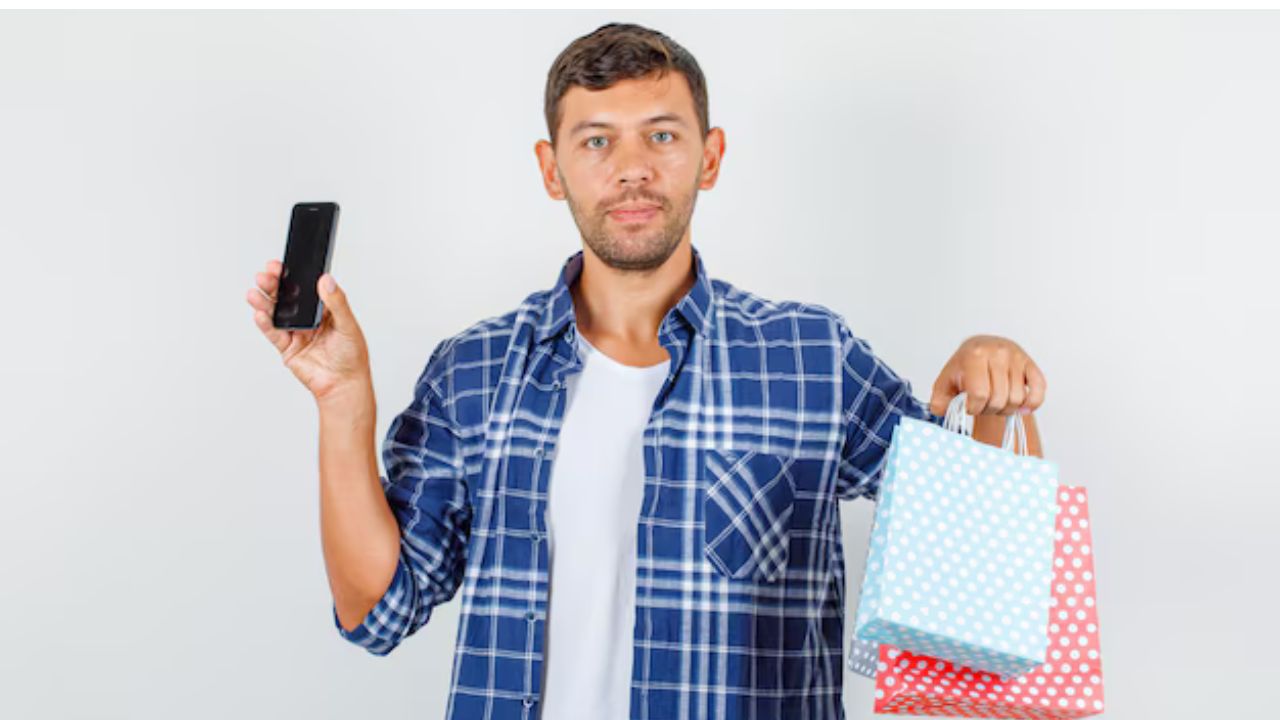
(268, 283)
(278, 338)
(1017, 388)
(269, 280)
(945, 390)
(262, 298)
(976, 383)
(1037, 384)
(999, 373)
(259, 301)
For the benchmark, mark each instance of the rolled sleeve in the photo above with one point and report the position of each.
(378, 632)
(426, 488)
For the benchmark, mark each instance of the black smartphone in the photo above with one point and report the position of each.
(306, 257)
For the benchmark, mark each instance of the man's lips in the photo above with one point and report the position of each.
(638, 214)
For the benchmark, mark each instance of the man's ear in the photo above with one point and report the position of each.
(712, 154)
(549, 170)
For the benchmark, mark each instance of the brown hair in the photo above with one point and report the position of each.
(620, 51)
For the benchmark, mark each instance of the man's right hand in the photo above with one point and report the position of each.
(332, 360)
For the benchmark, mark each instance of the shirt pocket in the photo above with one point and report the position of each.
(747, 510)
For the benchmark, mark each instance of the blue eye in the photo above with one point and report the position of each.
(665, 132)
(594, 137)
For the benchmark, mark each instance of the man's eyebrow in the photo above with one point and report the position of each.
(664, 117)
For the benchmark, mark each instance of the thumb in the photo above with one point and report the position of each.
(336, 300)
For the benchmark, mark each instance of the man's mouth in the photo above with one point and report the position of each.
(634, 213)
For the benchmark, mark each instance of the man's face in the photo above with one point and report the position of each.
(630, 161)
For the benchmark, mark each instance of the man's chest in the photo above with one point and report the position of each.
(735, 458)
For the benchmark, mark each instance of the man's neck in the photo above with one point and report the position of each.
(619, 311)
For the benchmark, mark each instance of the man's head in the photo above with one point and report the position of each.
(626, 110)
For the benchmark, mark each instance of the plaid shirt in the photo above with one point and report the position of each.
(770, 413)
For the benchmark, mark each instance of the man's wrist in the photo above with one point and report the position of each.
(351, 400)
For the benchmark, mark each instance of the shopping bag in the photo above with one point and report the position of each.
(960, 558)
(1067, 685)
(863, 657)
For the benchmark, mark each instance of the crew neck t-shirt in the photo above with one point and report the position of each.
(593, 505)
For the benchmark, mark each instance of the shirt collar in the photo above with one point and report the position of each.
(695, 306)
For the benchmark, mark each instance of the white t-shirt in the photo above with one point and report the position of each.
(593, 507)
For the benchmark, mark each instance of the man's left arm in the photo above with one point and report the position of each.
(999, 379)
(874, 398)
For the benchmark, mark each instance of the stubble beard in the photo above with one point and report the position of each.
(634, 250)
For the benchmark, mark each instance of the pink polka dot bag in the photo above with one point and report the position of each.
(1067, 685)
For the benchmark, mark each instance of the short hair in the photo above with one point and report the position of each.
(620, 51)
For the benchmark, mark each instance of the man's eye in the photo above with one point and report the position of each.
(665, 132)
(594, 137)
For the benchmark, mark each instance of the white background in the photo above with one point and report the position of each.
(1102, 188)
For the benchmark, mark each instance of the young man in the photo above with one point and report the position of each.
(633, 476)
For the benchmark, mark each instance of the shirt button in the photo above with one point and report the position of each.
(530, 615)
(538, 452)
(555, 385)
(528, 701)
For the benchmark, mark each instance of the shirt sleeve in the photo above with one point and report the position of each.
(425, 486)
(874, 398)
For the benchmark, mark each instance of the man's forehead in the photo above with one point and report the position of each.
(639, 100)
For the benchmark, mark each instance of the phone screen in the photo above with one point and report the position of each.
(306, 257)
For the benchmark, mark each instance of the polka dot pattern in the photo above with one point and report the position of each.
(961, 553)
(863, 657)
(1067, 685)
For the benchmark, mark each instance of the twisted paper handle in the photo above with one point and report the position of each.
(959, 420)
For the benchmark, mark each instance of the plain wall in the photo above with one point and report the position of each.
(1100, 187)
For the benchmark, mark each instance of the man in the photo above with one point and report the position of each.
(633, 476)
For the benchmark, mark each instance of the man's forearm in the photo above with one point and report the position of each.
(359, 534)
(990, 430)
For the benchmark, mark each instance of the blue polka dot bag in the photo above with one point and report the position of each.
(960, 561)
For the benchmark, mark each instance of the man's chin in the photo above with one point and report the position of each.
(625, 253)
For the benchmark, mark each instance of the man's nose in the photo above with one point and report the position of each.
(634, 166)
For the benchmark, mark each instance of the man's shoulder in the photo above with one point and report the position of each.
(484, 342)
(747, 313)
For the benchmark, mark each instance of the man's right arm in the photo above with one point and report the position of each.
(395, 547)
(359, 534)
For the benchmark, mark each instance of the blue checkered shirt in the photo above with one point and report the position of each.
(770, 413)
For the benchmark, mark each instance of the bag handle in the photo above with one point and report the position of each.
(960, 421)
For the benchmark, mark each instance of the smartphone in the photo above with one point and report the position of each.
(306, 257)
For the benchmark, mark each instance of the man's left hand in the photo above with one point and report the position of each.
(997, 375)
